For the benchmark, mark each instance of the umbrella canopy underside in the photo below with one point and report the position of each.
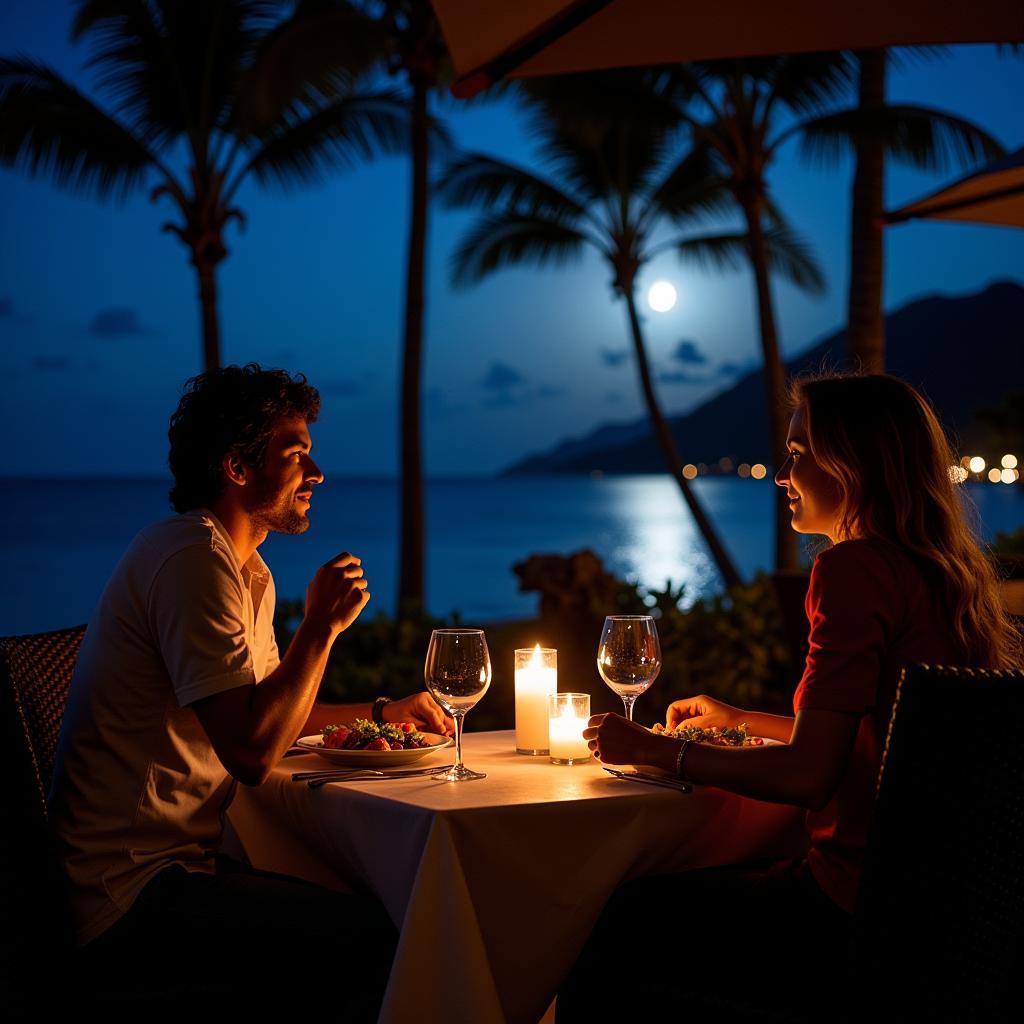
(542, 37)
(993, 195)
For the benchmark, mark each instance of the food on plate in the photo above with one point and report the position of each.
(716, 737)
(364, 735)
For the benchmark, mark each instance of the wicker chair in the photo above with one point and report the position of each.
(940, 916)
(35, 675)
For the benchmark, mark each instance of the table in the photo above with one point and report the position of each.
(497, 883)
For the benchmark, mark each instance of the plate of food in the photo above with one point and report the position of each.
(363, 744)
(714, 736)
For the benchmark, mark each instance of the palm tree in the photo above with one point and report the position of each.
(605, 138)
(735, 111)
(750, 108)
(918, 136)
(416, 50)
(241, 92)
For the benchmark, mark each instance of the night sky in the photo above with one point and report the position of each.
(99, 321)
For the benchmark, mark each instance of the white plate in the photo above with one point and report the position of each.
(374, 758)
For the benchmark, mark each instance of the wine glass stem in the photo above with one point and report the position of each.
(628, 704)
(458, 716)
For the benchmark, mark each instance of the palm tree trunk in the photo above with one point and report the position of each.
(786, 559)
(206, 269)
(410, 573)
(668, 449)
(865, 336)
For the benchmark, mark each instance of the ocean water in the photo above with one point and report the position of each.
(61, 538)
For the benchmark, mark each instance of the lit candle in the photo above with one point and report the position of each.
(569, 714)
(536, 681)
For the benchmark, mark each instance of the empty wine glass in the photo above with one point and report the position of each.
(458, 672)
(629, 656)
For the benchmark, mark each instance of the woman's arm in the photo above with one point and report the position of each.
(805, 771)
(705, 712)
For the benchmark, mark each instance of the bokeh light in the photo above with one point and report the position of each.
(689, 471)
(758, 472)
(1009, 462)
(977, 464)
(958, 474)
(995, 475)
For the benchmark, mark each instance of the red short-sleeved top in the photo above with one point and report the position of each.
(871, 611)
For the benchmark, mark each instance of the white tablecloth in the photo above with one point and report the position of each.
(495, 884)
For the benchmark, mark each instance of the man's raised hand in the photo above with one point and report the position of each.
(338, 593)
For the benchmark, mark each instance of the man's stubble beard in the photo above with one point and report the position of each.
(278, 517)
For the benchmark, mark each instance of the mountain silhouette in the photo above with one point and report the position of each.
(964, 353)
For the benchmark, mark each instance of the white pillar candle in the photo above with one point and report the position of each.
(536, 681)
(570, 713)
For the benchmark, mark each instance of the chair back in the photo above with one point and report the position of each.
(941, 903)
(35, 677)
(35, 933)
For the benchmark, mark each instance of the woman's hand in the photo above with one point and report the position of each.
(704, 713)
(422, 710)
(616, 741)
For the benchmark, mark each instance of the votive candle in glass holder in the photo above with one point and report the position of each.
(536, 681)
(569, 714)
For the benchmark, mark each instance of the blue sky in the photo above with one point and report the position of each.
(99, 322)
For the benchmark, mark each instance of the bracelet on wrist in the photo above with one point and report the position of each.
(684, 746)
(377, 711)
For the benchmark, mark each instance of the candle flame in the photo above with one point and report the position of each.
(535, 658)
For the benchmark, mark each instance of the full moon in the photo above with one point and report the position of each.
(661, 297)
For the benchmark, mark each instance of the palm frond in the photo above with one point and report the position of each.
(341, 133)
(793, 259)
(47, 127)
(927, 139)
(806, 83)
(606, 133)
(475, 179)
(696, 186)
(788, 255)
(509, 238)
(318, 52)
(714, 252)
(171, 66)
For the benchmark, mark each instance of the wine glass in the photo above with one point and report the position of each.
(458, 672)
(629, 656)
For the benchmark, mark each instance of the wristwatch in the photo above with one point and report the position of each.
(377, 712)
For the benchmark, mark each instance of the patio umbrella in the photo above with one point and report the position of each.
(993, 195)
(544, 37)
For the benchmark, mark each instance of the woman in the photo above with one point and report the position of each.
(904, 581)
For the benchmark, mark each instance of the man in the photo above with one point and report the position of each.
(179, 694)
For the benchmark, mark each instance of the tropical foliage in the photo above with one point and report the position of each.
(606, 141)
(198, 97)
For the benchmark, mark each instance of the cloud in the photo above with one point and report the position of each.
(614, 356)
(502, 378)
(118, 323)
(6, 308)
(51, 364)
(689, 352)
(680, 377)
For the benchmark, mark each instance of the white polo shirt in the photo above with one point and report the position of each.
(137, 785)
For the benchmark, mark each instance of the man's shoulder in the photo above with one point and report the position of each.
(194, 531)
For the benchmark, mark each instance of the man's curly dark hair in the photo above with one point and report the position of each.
(231, 409)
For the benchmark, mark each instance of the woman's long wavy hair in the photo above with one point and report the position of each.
(882, 442)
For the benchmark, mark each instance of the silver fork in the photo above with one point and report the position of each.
(316, 779)
(651, 780)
